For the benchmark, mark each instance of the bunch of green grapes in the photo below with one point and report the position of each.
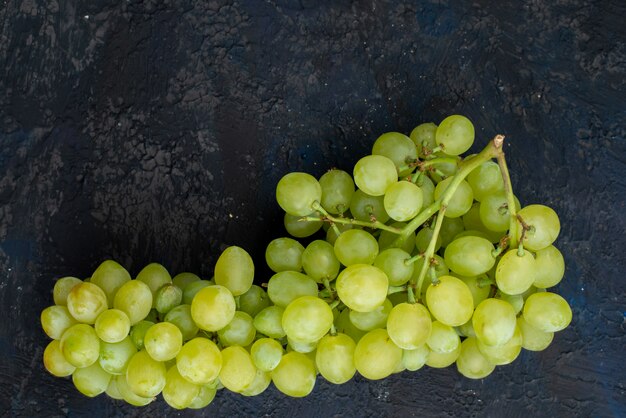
(420, 257)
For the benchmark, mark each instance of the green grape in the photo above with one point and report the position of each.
(494, 321)
(138, 332)
(386, 239)
(374, 173)
(368, 321)
(461, 200)
(549, 267)
(392, 262)
(337, 191)
(239, 331)
(455, 134)
(155, 276)
(362, 287)
(334, 358)
(307, 319)
(423, 136)
(269, 322)
(86, 301)
(62, 288)
(320, 262)
(427, 187)
(163, 341)
(144, 375)
(423, 237)
(55, 320)
(466, 330)
(254, 300)
(472, 221)
(442, 360)
(286, 286)
(261, 382)
(479, 291)
(181, 317)
(199, 361)
(505, 353)
(403, 200)
(54, 361)
(295, 375)
(533, 339)
(376, 356)
(167, 298)
(234, 270)
(266, 354)
(356, 247)
(304, 347)
(486, 180)
(331, 234)
(297, 192)
(415, 359)
(114, 357)
(516, 301)
(238, 370)
(204, 398)
(80, 345)
(112, 326)
(284, 254)
(398, 147)
(112, 390)
(110, 276)
(409, 325)
(515, 273)
(91, 380)
(494, 212)
(443, 338)
(544, 223)
(469, 256)
(450, 228)
(178, 392)
(471, 362)
(181, 280)
(134, 298)
(128, 395)
(192, 288)
(345, 326)
(450, 301)
(547, 312)
(364, 206)
(213, 308)
(301, 229)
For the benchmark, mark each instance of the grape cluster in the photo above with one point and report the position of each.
(421, 257)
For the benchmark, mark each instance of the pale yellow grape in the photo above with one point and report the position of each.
(367, 321)
(114, 357)
(471, 362)
(398, 147)
(261, 382)
(296, 228)
(544, 223)
(112, 390)
(307, 319)
(86, 301)
(516, 301)
(92, 380)
(297, 192)
(304, 347)
(110, 276)
(362, 287)
(213, 308)
(494, 321)
(62, 288)
(450, 301)
(181, 280)
(403, 200)
(469, 255)
(134, 298)
(479, 292)
(163, 341)
(266, 354)
(269, 322)
(461, 200)
(466, 330)
(514, 273)
(144, 375)
(334, 358)
(549, 267)
(356, 246)
(238, 370)
(112, 326)
(533, 339)
(286, 286)
(283, 254)
(505, 353)
(441, 360)
(155, 276)
(178, 392)
(239, 331)
(205, 397)
(80, 345)
(376, 356)
(415, 359)
(55, 362)
(295, 374)
(443, 338)
(167, 298)
(547, 312)
(199, 361)
(393, 262)
(234, 270)
(409, 325)
(55, 320)
(190, 291)
(374, 173)
(128, 395)
(455, 134)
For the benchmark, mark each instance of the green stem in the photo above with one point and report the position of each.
(430, 250)
(316, 206)
(395, 289)
(440, 160)
(411, 295)
(328, 288)
(510, 199)
(350, 221)
(413, 259)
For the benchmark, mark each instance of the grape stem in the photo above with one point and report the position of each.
(510, 199)
(429, 260)
(325, 215)
(350, 221)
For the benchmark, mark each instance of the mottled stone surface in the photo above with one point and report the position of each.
(157, 130)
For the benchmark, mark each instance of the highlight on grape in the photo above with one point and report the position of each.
(419, 257)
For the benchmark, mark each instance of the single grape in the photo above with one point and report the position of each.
(134, 298)
(110, 276)
(356, 247)
(55, 320)
(86, 301)
(144, 375)
(297, 192)
(472, 221)
(138, 332)
(337, 191)
(427, 187)
(239, 331)
(213, 308)
(398, 147)
(423, 136)
(284, 254)
(199, 361)
(516, 301)
(515, 273)
(286, 286)
(376, 356)
(533, 339)
(374, 173)
(307, 319)
(442, 360)
(55, 362)
(304, 347)
(80, 345)
(362, 287)
(254, 300)
(547, 312)
(479, 291)
(494, 322)
(205, 397)
(403, 200)
(331, 233)
(494, 212)
(62, 288)
(334, 358)
(178, 392)
(266, 354)
(295, 375)
(368, 321)
(549, 267)
(392, 261)
(234, 270)
(505, 353)
(112, 326)
(269, 322)
(191, 289)
(469, 256)
(181, 280)
(163, 341)
(486, 180)
(450, 301)
(443, 338)
(320, 262)
(155, 276)
(167, 298)
(238, 370)
(364, 206)
(415, 359)
(471, 362)
(260, 383)
(114, 357)
(296, 227)
(544, 226)
(128, 395)
(409, 325)
(461, 200)
(455, 134)
(91, 380)
(112, 390)
(181, 317)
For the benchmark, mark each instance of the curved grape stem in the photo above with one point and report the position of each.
(351, 221)
(510, 199)
(430, 250)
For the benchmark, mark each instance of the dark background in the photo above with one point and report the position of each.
(157, 130)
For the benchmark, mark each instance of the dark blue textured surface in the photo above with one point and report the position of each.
(135, 129)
